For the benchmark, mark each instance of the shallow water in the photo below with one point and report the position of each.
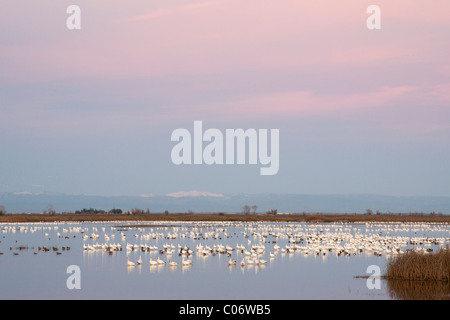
(30, 273)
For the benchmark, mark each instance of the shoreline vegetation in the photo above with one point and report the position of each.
(416, 266)
(419, 276)
(299, 217)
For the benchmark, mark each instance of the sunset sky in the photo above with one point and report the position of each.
(91, 111)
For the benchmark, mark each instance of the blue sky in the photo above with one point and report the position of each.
(91, 111)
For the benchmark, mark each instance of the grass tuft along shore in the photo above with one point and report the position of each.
(418, 266)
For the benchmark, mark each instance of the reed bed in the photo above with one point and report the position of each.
(415, 266)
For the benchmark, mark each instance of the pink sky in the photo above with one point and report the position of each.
(203, 37)
(354, 106)
(120, 42)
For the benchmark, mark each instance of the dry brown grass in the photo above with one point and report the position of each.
(419, 276)
(309, 217)
(416, 266)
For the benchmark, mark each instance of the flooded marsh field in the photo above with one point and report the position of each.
(210, 259)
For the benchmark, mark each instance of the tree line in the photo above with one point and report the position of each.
(246, 209)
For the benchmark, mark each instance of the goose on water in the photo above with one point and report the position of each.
(153, 262)
(173, 263)
(130, 263)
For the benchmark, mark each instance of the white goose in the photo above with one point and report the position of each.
(173, 263)
(130, 263)
(186, 262)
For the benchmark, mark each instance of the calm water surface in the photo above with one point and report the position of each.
(317, 267)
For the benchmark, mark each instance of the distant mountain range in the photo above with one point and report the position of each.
(202, 201)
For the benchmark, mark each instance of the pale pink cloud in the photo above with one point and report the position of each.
(170, 11)
(441, 93)
(402, 109)
(228, 37)
(221, 36)
(444, 70)
(418, 13)
(306, 103)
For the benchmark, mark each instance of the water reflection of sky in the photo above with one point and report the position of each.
(34, 274)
